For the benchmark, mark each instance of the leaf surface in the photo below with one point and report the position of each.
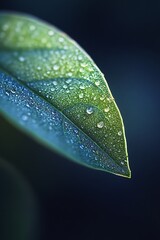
(50, 88)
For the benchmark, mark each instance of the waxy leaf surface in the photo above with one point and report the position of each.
(51, 89)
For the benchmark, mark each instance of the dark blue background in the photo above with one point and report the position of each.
(74, 202)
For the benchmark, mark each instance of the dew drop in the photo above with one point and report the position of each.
(69, 74)
(79, 57)
(82, 87)
(64, 86)
(38, 68)
(100, 124)
(89, 110)
(21, 59)
(24, 117)
(52, 89)
(61, 39)
(68, 80)
(81, 95)
(55, 67)
(106, 109)
(119, 133)
(32, 28)
(50, 33)
(97, 83)
(102, 98)
(54, 83)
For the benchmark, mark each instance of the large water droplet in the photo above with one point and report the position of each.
(89, 110)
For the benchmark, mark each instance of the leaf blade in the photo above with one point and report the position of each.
(45, 72)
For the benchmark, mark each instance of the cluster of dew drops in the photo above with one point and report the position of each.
(51, 33)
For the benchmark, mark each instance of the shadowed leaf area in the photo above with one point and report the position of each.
(51, 89)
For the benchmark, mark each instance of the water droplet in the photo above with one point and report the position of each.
(84, 65)
(106, 109)
(81, 95)
(50, 33)
(69, 74)
(21, 59)
(52, 89)
(64, 86)
(89, 110)
(122, 163)
(81, 70)
(54, 83)
(68, 80)
(55, 67)
(119, 133)
(38, 68)
(102, 97)
(100, 124)
(61, 39)
(32, 28)
(82, 87)
(97, 83)
(79, 57)
(24, 117)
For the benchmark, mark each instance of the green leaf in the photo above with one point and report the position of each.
(51, 88)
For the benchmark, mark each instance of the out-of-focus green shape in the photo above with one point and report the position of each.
(18, 211)
(52, 89)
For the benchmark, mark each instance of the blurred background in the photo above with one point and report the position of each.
(45, 196)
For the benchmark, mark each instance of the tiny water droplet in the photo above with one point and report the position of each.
(69, 74)
(32, 28)
(38, 68)
(61, 39)
(54, 83)
(79, 57)
(68, 80)
(21, 59)
(119, 133)
(97, 83)
(55, 67)
(89, 110)
(106, 109)
(50, 33)
(81, 95)
(24, 117)
(100, 124)
(82, 87)
(64, 86)
(102, 98)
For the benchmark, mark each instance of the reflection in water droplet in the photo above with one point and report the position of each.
(100, 124)
(89, 110)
